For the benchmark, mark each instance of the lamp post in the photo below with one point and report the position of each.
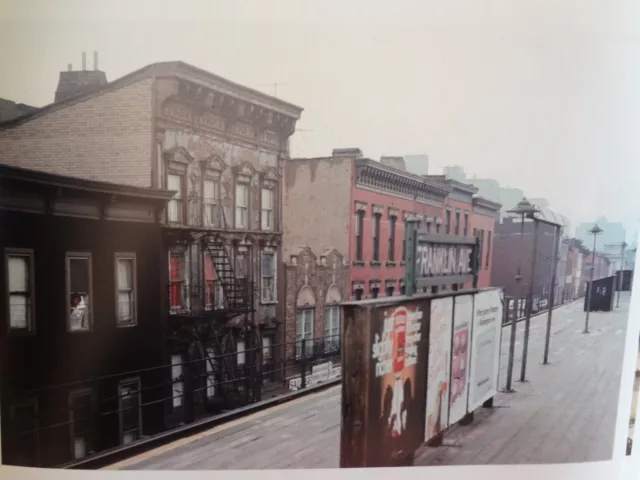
(524, 209)
(595, 231)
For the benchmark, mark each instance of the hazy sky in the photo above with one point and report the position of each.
(540, 94)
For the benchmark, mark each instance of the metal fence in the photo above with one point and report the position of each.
(58, 424)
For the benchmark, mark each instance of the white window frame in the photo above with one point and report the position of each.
(133, 293)
(79, 256)
(85, 392)
(29, 294)
(176, 204)
(265, 299)
(267, 213)
(121, 385)
(302, 333)
(177, 384)
(241, 217)
(332, 328)
(241, 349)
(210, 205)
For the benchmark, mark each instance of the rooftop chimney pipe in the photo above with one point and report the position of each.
(84, 61)
(69, 67)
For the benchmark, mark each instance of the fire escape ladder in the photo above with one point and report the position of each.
(236, 291)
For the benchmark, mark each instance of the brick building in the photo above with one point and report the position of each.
(358, 206)
(485, 214)
(315, 285)
(221, 148)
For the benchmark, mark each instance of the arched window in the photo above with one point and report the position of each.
(305, 320)
(332, 320)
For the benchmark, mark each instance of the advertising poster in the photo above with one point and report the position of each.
(397, 390)
(460, 358)
(439, 368)
(485, 350)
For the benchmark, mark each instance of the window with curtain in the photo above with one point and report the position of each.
(20, 283)
(80, 422)
(129, 411)
(79, 291)
(268, 274)
(177, 281)
(210, 199)
(175, 207)
(242, 205)
(126, 291)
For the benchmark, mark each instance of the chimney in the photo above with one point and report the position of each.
(347, 152)
(73, 83)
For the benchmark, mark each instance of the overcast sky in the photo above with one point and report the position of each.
(543, 95)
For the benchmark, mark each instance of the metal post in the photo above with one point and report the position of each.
(512, 347)
(411, 237)
(593, 267)
(620, 273)
(527, 322)
(552, 294)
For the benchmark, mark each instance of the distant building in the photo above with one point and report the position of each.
(454, 173)
(10, 110)
(417, 163)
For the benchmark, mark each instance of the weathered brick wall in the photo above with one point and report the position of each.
(317, 204)
(319, 275)
(105, 137)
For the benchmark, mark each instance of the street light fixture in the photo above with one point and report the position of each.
(595, 231)
(524, 209)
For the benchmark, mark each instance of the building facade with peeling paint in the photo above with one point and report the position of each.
(221, 148)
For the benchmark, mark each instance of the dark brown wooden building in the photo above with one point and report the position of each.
(81, 304)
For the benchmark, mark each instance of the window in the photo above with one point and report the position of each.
(402, 289)
(210, 196)
(375, 291)
(376, 237)
(210, 369)
(304, 331)
(465, 230)
(392, 238)
(404, 243)
(81, 420)
(332, 329)
(129, 410)
(177, 282)
(357, 294)
(457, 224)
(266, 349)
(481, 237)
(126, 289)
(268, 277)
(175, 207)
(21, 289)
(79, 291)
(428, 227)
(267, 209)
(488, 248)
(242, 205)
(447, 225)
(390, 290)
(240, 353)
(210, 292)
(359, 228)
(177, 381)
(438, 226)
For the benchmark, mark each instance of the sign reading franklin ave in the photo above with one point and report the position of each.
(437, 260)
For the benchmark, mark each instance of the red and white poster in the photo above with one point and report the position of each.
(460, 359)
(439, 368)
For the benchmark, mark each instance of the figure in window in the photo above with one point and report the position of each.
(78, 313)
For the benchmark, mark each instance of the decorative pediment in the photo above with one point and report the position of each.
(245, 172)
(270, 177)
(299, 253)
(179, 155)
(271, 241)
(214, 164)
(306, 298)
(333, 295)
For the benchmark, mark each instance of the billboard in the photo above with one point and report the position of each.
(439, 368)
(485, 347)
(460, 358)
(398, 354)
